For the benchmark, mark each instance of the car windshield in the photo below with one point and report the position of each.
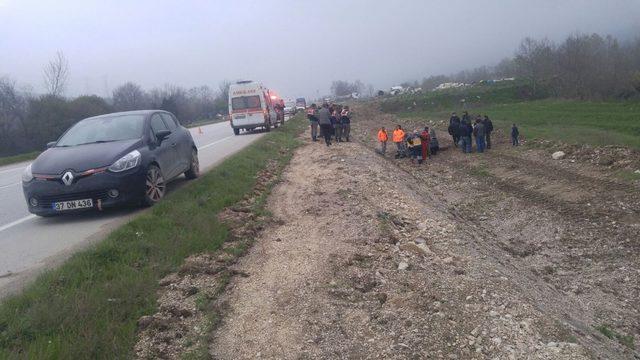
(103, 129)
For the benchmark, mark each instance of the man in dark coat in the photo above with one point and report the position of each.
(488, 128)
(465, 136)
(515, 134)
(479, 131)
(454, 129)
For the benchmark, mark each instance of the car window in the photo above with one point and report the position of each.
(170, 121)
(103, 129)
(157, 124)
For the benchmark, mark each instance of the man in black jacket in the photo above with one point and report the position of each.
(465, 117)
(488, 128)
(454, 129)
(465, 136)
(515, 134)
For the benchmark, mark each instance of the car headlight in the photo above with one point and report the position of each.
(26, 174)
(126, 162)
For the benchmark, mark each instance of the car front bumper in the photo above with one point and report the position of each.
(129, 184)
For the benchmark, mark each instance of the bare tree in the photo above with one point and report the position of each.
(635, 81)
(13, 113)
(130, 96)
(344, 88)
(535, 61)
(56, 75)
(223, 87)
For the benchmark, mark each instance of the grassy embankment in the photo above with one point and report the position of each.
(88, 308)
(18, 158)
(575, 122)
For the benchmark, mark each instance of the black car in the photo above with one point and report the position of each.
(109, 160)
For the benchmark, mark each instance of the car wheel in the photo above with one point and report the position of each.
(155, 186)
(236, 131)
(194, 168)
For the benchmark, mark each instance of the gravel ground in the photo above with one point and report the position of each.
(504, 255)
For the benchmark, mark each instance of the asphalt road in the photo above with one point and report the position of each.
(29, 244)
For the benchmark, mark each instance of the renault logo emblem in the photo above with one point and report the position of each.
(67, 178)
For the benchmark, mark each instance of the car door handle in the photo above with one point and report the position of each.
(173, 144)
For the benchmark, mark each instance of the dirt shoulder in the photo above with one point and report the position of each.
(373, 258)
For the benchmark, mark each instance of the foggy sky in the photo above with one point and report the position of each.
(296, 47)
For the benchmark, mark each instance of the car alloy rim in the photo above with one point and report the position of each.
(195, 163)
(155, 184)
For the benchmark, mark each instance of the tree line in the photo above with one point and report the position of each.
(28, 121)
(586, 67)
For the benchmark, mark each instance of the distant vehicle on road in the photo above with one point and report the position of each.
(251, 106)
(301, 104)
(110, 160)
(290, 107)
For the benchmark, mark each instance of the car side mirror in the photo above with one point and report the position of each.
(51, 144)
(162, 134)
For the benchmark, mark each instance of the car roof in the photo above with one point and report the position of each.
(134, 112)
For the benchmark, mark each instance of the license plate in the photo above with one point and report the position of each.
(72, 204)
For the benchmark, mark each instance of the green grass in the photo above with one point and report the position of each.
(88, 307)
(628, 175)
(480, 171)
(18, 158)
(574, 122)
(626, 340)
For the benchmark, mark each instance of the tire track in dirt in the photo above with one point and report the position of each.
(582, 254)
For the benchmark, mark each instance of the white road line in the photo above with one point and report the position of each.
(215, 142)
(8, 186)
(17, 222)
(10, 170)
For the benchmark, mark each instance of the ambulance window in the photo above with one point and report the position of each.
(253, 101)
(245, 102)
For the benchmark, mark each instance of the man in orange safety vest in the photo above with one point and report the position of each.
(398, 139)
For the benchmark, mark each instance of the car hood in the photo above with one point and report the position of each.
(81, 158)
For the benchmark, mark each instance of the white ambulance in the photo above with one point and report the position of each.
(251, 106)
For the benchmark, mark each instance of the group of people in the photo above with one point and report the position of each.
(418, 145)
(463, 130)
(333, 121)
